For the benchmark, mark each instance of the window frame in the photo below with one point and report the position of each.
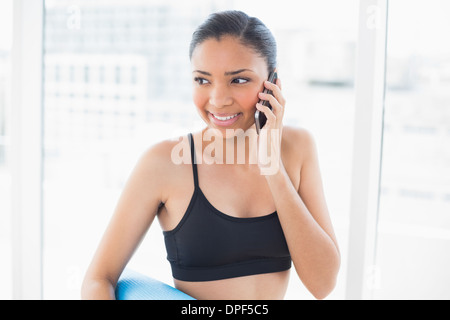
(370, 83)
(26, 148)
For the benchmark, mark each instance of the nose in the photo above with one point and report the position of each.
(220, 97)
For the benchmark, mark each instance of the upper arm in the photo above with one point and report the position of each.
(311, 187)
(133, 215)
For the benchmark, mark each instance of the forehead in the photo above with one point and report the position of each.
(226, 54)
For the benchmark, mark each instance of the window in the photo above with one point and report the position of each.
(5, 136)
(414, 222)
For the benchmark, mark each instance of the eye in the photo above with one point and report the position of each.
(240, 80)
(201, 81)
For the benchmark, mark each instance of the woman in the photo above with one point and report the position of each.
(232, 226)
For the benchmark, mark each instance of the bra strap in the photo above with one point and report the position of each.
(193, 160)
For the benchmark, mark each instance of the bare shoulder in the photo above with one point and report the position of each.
(297, 149)
(163, 157)
(159, 153)
(297, 134)
(298, 143)
(161, 162)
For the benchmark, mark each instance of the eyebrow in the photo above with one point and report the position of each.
(228, 73)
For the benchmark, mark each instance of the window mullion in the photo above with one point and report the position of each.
(368, 127)
(26, 149)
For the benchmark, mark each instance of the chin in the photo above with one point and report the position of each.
(219, 132)
(229, 133)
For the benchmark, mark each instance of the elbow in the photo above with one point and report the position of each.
(322, 291)
(88, 289)
(325, 283)
(85, 290)
(97, 289)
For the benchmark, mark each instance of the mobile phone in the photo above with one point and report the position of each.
(260, 118)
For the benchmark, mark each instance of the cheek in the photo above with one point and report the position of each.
(200, 99)
(248, 99)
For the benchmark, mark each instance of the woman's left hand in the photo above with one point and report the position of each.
(269, 140)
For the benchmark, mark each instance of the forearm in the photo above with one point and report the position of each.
(314, 253)
(94, 289)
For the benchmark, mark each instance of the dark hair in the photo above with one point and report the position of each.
(249, 30)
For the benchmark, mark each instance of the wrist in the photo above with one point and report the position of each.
(275, 173)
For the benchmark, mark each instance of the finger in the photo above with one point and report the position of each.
(276, 90)
(267, 112)
(279, 84)
(276, 106)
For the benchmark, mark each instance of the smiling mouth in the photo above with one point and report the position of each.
(225, 118)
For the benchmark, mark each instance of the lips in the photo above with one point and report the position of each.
(224, 119)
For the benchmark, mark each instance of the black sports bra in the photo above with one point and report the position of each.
(210, 245)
